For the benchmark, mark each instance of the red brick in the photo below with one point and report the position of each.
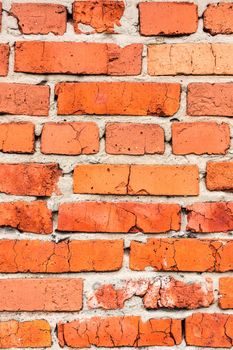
(210, 217)
(119, 331)
(190, 255)
(40, 18)
(118, 217)
(29, 334)
(169, 180)
(190, 59)
(210, 330)
(36, 256)
(219, 176)
(225, 300)
(134, 139)
(77, 58)
(118, 98)
(167, 18)
(26, 216)
(37, 294)
(210, 99)
(29, 179)
(70, 138)
(24, 99)
(218, 18)
(17, 137)
(4, 59)
(200, 138)
(101, 16)
(160, 292)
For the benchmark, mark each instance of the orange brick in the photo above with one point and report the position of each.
(36, 256)
(40, 18)
(119, 331)
(210, 99)
(101, 16)
(4, 59)
(134, 139)
(210, 330)
(17, 137)
(167, 18)
(218, 18)
(29, 334)
(70, 138)
(200, 138)
(225, 300)
(24, 99)
(127, 179)
(118, 98)
(29, 179)
(77, 58)
(26, 216)
(190, 255)
(210, 217)
(160, 292)
(190, 59)
(37, 294)
(118, 217)
(219, 176)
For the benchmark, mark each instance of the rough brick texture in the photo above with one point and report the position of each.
(40, 18)
(116, 209)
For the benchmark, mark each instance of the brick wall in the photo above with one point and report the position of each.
(116, 174)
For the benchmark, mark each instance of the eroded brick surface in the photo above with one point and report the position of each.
(218, 18)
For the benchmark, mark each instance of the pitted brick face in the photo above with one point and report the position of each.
(116, 210)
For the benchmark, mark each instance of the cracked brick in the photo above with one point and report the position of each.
(225, 300)
(27, 216)
(118, 217)
(210, 330)
(190, 59)
(29, 334)
(70, 138)
(43, 57)
(165, 180)
(160, 292)
(210, 99)
(40, 18)
(99, 16)
(183, 18)
(118, 98)
(119, 331)
(134, 139)
(24, 99)
(210, 217)
(200, 138)
(36, 256)
(30, 179)
(185, 254)
(36, 294)
(17, 137)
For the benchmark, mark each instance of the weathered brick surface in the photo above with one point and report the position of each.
(116, 211)
(126, 179)
(28, 334)
(119, 331)
(77, 58)
(118, 217)
(136, 139)
(40, 18)
(118, 98)
(218, 18)
(101, 16)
